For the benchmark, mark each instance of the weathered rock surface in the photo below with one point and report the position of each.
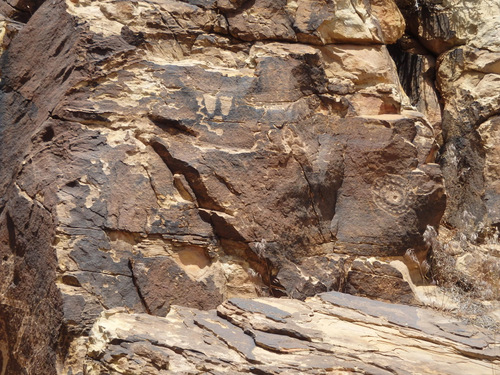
(165, 153)
(443, 24)
(464, 38)
(169, 152)
(417, 73)
(489, 133)
(19, 10)
(312, 22)
(465, 35)
(331, 333)
(469, 79)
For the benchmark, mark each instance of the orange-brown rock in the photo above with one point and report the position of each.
(163, 153)
(468, 78)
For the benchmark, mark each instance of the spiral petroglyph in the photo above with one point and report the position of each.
(392, 194)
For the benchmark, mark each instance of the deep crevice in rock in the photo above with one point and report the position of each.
(193, 176)
(312, 201)
(25, 9)
(409, 63)
(138, 290)
(171, 126)
(12, 233)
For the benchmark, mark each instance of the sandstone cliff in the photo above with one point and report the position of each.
(160, 157)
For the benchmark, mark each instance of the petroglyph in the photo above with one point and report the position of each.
(392, 194)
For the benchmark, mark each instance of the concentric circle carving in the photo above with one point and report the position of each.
(392, 194)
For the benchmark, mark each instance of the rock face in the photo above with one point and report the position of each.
(468, 78)
(466, 36)
(165, 153)
(281, 336)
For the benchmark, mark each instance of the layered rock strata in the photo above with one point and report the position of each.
(278, 336)
(162, 153)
